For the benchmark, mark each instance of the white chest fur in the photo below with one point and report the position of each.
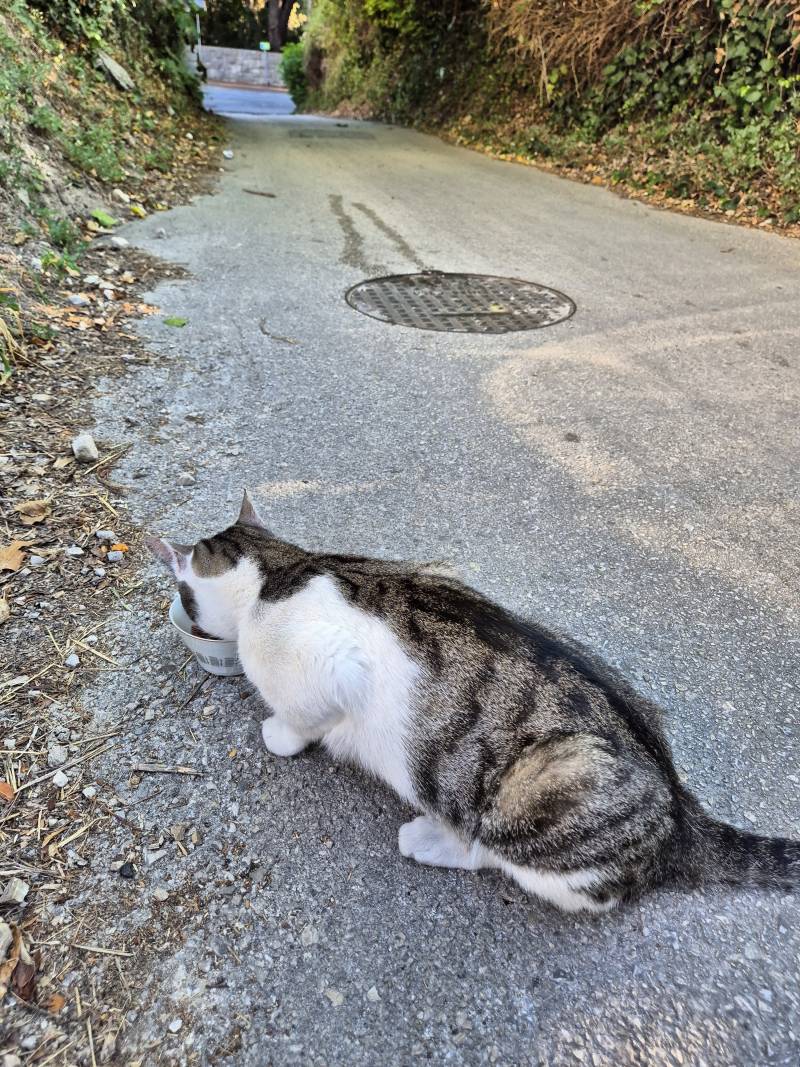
(331, 671)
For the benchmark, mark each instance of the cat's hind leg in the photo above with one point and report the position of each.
(432, 842)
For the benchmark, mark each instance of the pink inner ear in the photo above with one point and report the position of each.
(164, 551)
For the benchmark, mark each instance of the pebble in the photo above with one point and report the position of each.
(105, 535)
(56, 755)
(160, 894)
(100, 572)
(89, 791)
(92, 279)
(115, 556)
(121, 196)
(175, 1026)
(84, 449)
(78, 301)
(335, 997)
(60, 779)
(186, 478)
(309, 936)
(119, 242)
(161, 233)
(227, 153)
(127, 870)
(74, 551)
(72, 661)
(373, 994)
(35, 561)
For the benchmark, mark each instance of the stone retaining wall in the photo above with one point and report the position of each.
(245, 66)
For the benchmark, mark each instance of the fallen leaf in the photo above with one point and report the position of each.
(6, 791)
(175, 322)
(103, 217)
(32, 511)
(5, 610)
(14, 892)
(138, 211)
(119, 547)
(62, 462)
(11, 556)
(10, 946)
(23, 980)
(56, 1003)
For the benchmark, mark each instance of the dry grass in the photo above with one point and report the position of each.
(582, 36)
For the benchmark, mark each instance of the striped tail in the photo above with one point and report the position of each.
(720, 853)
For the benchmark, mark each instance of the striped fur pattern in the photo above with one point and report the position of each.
(522, 752)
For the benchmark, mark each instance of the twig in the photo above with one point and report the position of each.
(163, 768)
(91, 1040)
(63, 767)
(102, 951)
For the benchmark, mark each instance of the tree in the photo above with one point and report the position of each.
(278, 22)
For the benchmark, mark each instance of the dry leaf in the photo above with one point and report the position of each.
(119, 547)
(11, 556)
(5, 610)
(7, 791)
(56, 1003)
(14, 892)
(11, 938)
(32, 511)
(62, 462)
(23, 980)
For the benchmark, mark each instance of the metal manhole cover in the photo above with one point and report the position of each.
(460, 303)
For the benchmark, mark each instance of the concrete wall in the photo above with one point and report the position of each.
(244, 66)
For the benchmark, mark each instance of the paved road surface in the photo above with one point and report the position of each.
(243, 101)
(629, 476)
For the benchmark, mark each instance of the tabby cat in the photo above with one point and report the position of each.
(522, 752)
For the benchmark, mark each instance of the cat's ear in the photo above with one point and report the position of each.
(248, 516)
(176, 557)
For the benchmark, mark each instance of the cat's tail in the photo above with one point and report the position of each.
(716, 852)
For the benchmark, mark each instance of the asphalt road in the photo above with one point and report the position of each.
(242, 101)
(629, 476)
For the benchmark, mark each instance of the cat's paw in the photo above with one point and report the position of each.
(281, 739)
(431, 842)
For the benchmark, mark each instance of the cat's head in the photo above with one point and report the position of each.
(218, 576)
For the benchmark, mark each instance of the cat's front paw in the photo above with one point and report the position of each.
(281, 739)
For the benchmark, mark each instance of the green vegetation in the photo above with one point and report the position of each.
(294, 74)
(692, 100)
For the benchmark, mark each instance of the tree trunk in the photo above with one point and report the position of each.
(274, 25)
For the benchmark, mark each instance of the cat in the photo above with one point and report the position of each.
(521, 751)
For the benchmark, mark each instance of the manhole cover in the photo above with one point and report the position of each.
(460, 303)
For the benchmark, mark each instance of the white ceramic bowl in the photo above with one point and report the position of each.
(216, 657)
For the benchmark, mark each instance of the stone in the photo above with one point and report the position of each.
(74, 551)
(335, 997)
(373, 995)
(118, 242)
(309, 936)
(121, 196)
(78, 301)
(114, 70)
(56, 755)
(160, 894)
(161, 233)
(175, 1026)
(89, 791)
(72, 661)
(115, 557)
(100, 572)
(93, 279)
(186, 478)
(60, 779)
(84, 449)
(228, 153)
(35, 561)
(105, 535)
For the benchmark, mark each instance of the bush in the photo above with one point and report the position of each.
(293, 73)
